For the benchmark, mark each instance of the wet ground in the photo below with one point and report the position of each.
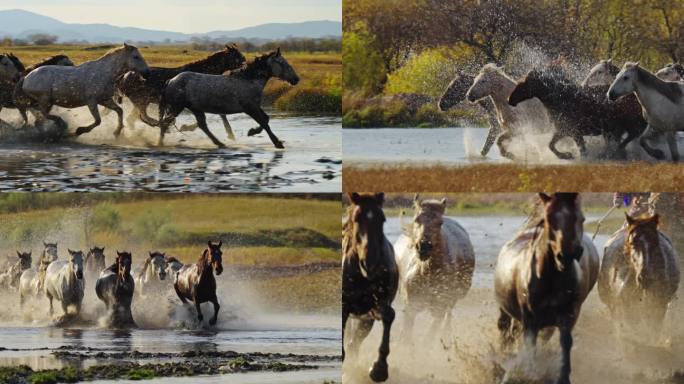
(311, 160)
(458, 146)
(467, 350)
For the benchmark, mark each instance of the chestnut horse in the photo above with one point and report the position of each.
(370, 276)
(639, 273)
(115, 288)
(545, 273)
(196, 282)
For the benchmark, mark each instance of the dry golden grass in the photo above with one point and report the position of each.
(636, 176)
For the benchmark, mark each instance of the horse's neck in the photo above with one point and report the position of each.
(210, 67)
(115, 63)
(504, 90)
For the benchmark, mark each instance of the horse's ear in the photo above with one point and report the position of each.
(636, 64)
(70, 251)
(416, 199)
(150, 254)
(209, 243)
(220, 243)
(630, 220)
(278, 51)
(544, 197)
(44, 243)
(19, 254)
(443, 202)
(380, 198)
(354, 197)
(609, 61)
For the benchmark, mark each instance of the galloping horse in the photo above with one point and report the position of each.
(10, 72)
(545, 273)
(639, 273)
(174, 265)
(670, 72)
(196, 282)
(455, 93)
(492, 82)
(10, 278)
(90, 84)
(64, 282)
(602, 73)
(16, 98)
(143, 92)
(662, 103)
(576, 112)
(32, 280)
(370, 277)
(94, 262)
(238, 91)
(115, 288)
(152, 274)
(436, 262)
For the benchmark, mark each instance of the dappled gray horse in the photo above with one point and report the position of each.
(64, 282)
(639, 273)
(31, 282)
(10, 277)
(238, 91)
(602, 73)
(89, 84)
(671, 72)
(436, 262)
(115, 288)
(152, 275)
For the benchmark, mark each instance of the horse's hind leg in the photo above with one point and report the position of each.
(379, 371)
(651, 134)
(98, 120)
(110, 104)
(504, 324)
(44, 107)
(552, 146)
(202, 122)
(180, 296)
(262, 118)
(133, 116)
(505, 138)
(229, 129)
(215, 302)
(145, 117)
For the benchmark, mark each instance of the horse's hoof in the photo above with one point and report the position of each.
(279, 145)
(212, 321)
(200, 318)
(379, 372)
(80, 131)
(565, 156)
(253, 131)
(220, 145)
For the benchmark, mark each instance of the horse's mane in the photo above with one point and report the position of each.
(612, 68)
(48, 61)
(203, 260)
(253, 69)
(172, 259)
(493, 68)
(669, 89)
(145, 266)
(347, 231)
(15, 60)
(199, 62)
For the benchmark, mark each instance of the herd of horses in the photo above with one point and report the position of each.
(222, 83)
(541, 278)
(619, 105)
(64, 280)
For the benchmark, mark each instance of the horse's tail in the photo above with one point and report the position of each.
(163, 102)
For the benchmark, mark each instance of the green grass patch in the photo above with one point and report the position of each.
(317, 292)
(140, 374)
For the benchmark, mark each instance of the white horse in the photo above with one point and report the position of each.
(152, 276)
(64, 282)
(662, 103)
(90, 84)
(10, 278)
(671, 72)
(494, 83)
(436, 262)
(602, 73)
(31, 282)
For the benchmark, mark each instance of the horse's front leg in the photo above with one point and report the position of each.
(379, 371)
(215, 302)
(262, 118)
(96, 115)
(195, 299)
(145, 117)
(359, 335)
(50, 299)
(110, 104)
(672, 144)
(202, 122)
(494, 131)
(651, 134)
(229, 129)
(345, 317)
(566, 346)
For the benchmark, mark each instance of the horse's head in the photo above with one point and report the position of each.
(97, 254)
(533, 85)
(25, 259)
(50, 251)
(280, 68)
(76, 262)
(625, 81)
(123, 262)
(8, 70)
(487, 82)
(671, 72)
(231, 57)
(366, 221)
(63, 60)
(642, 240)
(456, 91)
(601, 74)
(158, 264)
(564, 223)
(135, 61)
(427, 225)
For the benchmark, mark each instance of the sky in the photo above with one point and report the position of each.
(189, 16)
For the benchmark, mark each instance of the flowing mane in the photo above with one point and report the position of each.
(493, 68)
(15, 60)
(254, 69)
(204, 261)
(669, 89)
(229, 50)
(47, 61)
(172, 259)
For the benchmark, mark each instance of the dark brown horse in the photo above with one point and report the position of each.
(545, 273)
(196, 282)
(577, 112)
(639, 273)
(143, 92)
(115, 288)
(455, 93)
(370, 276)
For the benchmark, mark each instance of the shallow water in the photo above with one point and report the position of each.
(189, 162)
(456, 146)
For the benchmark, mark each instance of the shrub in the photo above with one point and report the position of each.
(310, 99)
(363, 67)
(105, 217)
(426, 74)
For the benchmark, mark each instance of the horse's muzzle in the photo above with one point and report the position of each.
(162, 276)
(294, 81)
(79, 274)
(424, 248)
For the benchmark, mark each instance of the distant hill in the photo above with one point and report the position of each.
(20, 24)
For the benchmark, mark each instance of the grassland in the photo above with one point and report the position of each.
(319, 92)
(260, 232)
(515, 177)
